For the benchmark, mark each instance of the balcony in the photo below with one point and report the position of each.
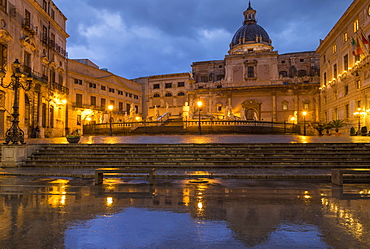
(27, 26)
(58, 87)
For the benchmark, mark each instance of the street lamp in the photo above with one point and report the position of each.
(18, 80)
(304, 123)
(199, 104)
(110, 108)
(359, 114)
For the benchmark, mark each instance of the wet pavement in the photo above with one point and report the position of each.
(49, 212)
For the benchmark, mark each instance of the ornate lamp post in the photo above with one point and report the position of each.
(304, 122)
(18, 80)
(199, 104)
(359, 114)
(110, 108)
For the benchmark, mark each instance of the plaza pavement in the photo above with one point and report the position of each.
(313, 174)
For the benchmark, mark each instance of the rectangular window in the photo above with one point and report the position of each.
(103, 104)
(78, 82)
(44, 36)
(27, 62)
(334, 48)
(345, 90)
(325, 79)
(358, 84)
(61, 79)
(250, 72)
(120, 92)
(136, 97)
(128, 107)
(3, 55)
(111, 90)
(4, 5)
(45, 5)
(335, 71)
(180, 84)
(168, 85)
(52, 14)
(52, 76)
(355, 26)
(103, 88)
(345, 37)
(347, 111)
(345, 62)
(359, 104)
(336, 114)
(79, 119)
(78, 100)
(111, 102)
(27, 18)
(93, 101)
(156, 86)
(306, 106)
(92, 85)
(120, 106)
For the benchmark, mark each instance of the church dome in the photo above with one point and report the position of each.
(251, 35)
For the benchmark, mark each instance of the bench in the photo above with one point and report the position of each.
(99, 173)
(337, 174)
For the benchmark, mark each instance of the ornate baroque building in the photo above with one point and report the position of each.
(254, 82)
(33, 31)
(345, 68)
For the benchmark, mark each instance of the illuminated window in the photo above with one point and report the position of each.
(358, 84)
(345, 37)
(355, 26)
(334, 48)
(306, 106)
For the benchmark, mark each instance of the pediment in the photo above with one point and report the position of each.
(5, 36)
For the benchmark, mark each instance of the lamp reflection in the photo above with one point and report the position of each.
(58, 197)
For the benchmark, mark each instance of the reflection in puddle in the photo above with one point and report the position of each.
(181, 213)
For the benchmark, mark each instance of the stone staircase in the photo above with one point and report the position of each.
(202, 156)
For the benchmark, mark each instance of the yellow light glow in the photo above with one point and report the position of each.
(110, 107)
(200, 205)
(64, 101)
(304, 113)
(109, 201)
(199, 103)
(137, 118)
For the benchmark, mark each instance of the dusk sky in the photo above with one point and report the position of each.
(136, 38)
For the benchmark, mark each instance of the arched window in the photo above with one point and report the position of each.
(168, 95)
(181, 94)
(156, 95)
(283, 73)
(302, 73)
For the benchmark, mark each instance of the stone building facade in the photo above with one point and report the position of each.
(345, 68)
(93, 89)
(33, 32)
(254, 82)
(164, 94)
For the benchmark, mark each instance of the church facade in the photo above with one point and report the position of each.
(253, 82)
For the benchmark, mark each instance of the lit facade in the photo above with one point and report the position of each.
(164, 94)
(253, 82)
(345, 68)
(93, 89)
(33, 31)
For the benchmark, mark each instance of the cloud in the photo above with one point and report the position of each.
(135, 38)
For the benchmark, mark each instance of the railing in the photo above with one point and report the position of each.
(59, 87)
(191, 127)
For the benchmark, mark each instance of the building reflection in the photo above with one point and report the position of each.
(45, 207)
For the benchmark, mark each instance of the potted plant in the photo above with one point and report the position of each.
(364, 131)
(320, 128)
(352, 131)
(328, 127)
(337, 124)
(73, 138)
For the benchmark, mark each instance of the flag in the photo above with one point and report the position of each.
(356, 47)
